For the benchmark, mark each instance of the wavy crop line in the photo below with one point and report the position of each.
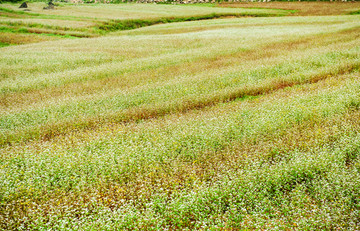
(51, 130)
(109, 73)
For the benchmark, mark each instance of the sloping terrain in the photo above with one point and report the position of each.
(34, 24)
(236, 123)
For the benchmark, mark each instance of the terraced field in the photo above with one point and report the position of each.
(234, 123)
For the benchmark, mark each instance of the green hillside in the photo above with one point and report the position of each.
(232, 123)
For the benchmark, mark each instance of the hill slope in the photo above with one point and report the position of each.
(240, 123)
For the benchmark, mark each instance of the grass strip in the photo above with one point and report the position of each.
(116, 25)
(6, 10)
(4, 44)
(40, 16)
(42, 32)
(355, 12)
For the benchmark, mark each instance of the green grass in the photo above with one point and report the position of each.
(232, 123)
(99, 19)
(46, 33)
(355, 12)
(2, 9)
(4, 44)
(137, 23)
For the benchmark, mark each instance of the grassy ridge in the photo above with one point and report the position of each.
(137, 23)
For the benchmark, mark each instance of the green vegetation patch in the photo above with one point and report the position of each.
(17, 12)
(4, 44)
(355, 12)
(115, 25)
(35, 25)
(29, 31)
(13, 30)
(24, 14)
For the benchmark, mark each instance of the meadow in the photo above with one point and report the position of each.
(171, 117)
(93, 20)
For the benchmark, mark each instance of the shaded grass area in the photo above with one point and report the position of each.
(355, 12)
(2, 44)
(32, 31)
(117, 25)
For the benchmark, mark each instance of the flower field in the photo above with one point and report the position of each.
(231, 123)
